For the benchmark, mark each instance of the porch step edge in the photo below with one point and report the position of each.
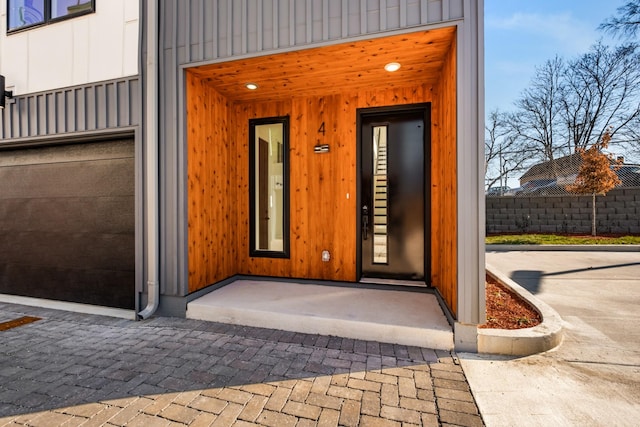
(310, 324)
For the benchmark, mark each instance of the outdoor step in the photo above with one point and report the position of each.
(400, 317)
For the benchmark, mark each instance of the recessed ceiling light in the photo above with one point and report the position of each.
(392, 66)
(251, 86)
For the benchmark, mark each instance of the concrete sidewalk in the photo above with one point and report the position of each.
(80, 369)
(593, 377)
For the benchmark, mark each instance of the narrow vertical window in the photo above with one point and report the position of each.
(380, 192)
(269, 187)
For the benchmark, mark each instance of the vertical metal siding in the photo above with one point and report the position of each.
(200, 31)
(206, 30)
(87, 108)
(471, 220)
(172, 178)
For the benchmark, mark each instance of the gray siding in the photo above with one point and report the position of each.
(101, 106)
(201, 31)
(205, 30)
(79, 114)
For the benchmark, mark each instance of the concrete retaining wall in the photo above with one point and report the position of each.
(617, 212)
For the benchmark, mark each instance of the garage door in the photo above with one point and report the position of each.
(67, 223)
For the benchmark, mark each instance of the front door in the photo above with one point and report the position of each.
(393, 202)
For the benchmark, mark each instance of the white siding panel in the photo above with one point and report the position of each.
(130, 59)
(53, 66)
(14, 64)
(131, 10)
(106, 55)
(102, 34)
(81, 49)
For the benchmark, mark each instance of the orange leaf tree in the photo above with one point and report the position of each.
(595, 175)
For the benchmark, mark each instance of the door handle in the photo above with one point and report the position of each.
(365, 222)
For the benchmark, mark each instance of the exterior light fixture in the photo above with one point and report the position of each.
(4, 93)
(251, 86)
(392, 66)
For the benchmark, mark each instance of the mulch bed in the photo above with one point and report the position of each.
(506, 310)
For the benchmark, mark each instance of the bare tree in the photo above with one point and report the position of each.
(570, 104)
(503, 152)
(601, 94)
(626, 24)
(537, 122)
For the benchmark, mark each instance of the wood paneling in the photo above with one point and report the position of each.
(211, 171)
(339, 68)
(319, 184)
(323, 187)
(443, 185)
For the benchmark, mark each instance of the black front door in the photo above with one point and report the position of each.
(393, 182)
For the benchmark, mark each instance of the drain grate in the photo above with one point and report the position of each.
(17, 322)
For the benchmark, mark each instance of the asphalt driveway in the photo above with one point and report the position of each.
(593, 377)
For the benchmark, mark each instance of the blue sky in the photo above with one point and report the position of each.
(523, 34)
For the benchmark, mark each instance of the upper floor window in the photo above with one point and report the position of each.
(28, 13)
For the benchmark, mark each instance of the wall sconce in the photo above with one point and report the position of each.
(4, 93)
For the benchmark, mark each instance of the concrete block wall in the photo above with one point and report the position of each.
(618, 212)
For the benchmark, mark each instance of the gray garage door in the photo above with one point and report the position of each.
(67, 223)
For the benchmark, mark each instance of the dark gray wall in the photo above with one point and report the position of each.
(72, 111)
(618, 212)
(48, 248)
(67, 223)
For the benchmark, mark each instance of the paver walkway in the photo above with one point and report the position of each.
(74, 369)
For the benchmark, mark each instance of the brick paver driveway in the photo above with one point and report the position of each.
(74, 369)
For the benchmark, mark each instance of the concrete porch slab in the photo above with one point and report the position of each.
(390, 316)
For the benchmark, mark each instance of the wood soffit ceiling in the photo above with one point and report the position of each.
(333, 69)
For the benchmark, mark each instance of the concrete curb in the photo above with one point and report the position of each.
(522, 342)
(566, 248)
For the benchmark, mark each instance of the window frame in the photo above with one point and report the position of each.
(253, 251)
(48, 19)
